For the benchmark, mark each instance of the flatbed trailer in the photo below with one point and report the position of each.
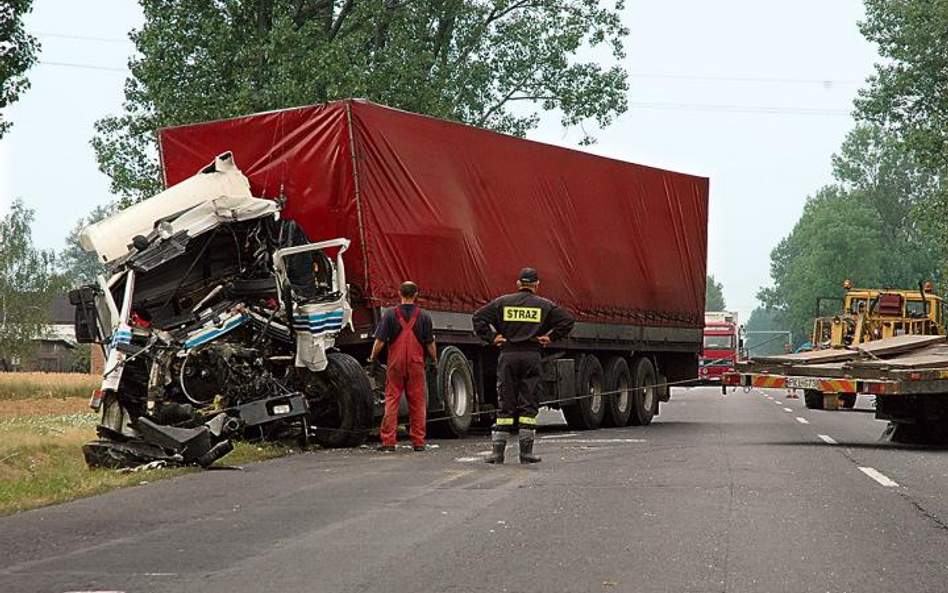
(908, 375)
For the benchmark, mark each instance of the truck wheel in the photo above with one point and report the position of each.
(340, 402)
(454, 384)
(618, 392)
(645, 393)
(813, 399)
(587, 412)
(848, 400)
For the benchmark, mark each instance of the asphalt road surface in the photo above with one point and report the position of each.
(745, 492)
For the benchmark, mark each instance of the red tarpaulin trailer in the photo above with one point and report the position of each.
(460, 210)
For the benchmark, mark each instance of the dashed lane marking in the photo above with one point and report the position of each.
(559, 436)
(827, 439)
(879, 477)
(802, 420)
(787, 410)
(469, 459)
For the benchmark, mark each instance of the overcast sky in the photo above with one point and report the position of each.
(755, 94)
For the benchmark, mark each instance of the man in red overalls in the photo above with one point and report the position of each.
(409, 335)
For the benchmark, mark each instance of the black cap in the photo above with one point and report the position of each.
(528, 275)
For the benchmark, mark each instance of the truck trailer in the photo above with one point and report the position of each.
(458, 210)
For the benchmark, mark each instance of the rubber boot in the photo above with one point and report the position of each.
(526, 446)
(498, 441)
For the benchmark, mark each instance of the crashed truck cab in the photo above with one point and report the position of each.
(218, 321)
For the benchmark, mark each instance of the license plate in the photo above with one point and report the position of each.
(804, 383)
(281, 409)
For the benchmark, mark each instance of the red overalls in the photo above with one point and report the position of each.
(406, 372)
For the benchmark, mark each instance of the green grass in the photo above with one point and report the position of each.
(41, 461)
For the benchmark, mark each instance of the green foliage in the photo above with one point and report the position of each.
(872, 227)
(491, 64)
(77, 265)
(27, 285)
(714, 295)
(837, 237)
(768, 320)
(908, 93)
(80, 358)
(17, 54)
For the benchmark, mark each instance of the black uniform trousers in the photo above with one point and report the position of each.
(518, 388)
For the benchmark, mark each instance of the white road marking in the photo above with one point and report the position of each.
(594, 441)
(787, 410)
(468, 459)
(484, 453)
(802, 420)
(776, 402)
(879, 477)
(559, 436)
(827, 439)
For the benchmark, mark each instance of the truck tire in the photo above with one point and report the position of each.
(587, 412)
(340, 402)
(454, 386)
(645, 394)
(813, 399)
(847, 400)
(618, 392)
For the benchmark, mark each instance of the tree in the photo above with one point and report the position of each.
(772, 322)
(27, 285)
(878, 167)
(77, 265)
(874, 226)
(490, 64)
(908, 94)
(714, 296)
(17, 54)
(838, 236)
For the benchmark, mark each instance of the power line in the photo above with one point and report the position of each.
(84, 37)
(752, 109)
(824, 82)
(704, 107)
(83, 66)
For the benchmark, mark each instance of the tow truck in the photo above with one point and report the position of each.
(890, 344)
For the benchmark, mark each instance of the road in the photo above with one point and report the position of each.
(748, 492)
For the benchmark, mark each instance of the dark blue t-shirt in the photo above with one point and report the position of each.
(389, 327)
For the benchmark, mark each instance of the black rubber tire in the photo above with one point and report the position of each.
(340, 402)
(454, 376)
(587, 412)
(847, 400)
(813, 399)
(645, 395)
(618, 405)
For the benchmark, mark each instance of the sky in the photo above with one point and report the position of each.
(754, 94)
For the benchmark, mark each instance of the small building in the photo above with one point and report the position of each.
(55, 351)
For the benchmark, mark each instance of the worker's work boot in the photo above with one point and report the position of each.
(526, 446)
(498, 441)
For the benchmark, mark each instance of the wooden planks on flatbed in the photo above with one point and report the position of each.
(901, 352)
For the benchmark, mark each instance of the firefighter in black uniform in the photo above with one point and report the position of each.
(521, 324)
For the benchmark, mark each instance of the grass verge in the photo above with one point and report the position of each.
(41, 461)
(15, 386)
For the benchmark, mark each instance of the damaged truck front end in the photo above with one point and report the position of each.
(218, 322)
